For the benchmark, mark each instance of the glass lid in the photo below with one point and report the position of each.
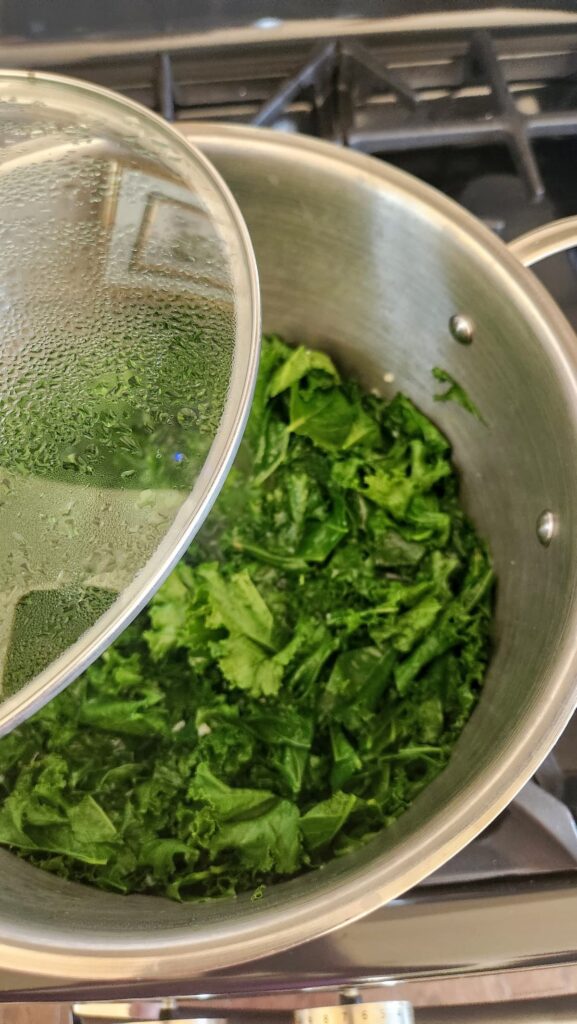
(129, 337)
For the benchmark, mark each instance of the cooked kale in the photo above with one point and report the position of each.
(297, 681)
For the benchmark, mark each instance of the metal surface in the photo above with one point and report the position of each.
(530, 249)
(338, 238)
(71, 121)
(546, 241)
(385, 1012)
(161, 1009)
(560, 1009)
(26, 20)
(318, 21)
(344, 1011)
(462, 328)
(546, 525)
(380, 84)
(531, 1011)
(445, 933)
(556, 1010)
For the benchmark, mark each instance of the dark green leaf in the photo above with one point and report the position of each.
(325, 417)
(301, 362)
(324, 821)
(248, 665)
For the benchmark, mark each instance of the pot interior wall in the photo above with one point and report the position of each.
(359, 267)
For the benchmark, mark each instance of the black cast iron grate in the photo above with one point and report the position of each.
(347, 92)
(381, 93)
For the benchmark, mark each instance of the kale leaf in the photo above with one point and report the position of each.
(455, 393)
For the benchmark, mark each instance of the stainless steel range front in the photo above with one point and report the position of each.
(482, 104)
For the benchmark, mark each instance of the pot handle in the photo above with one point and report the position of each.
(548, 240)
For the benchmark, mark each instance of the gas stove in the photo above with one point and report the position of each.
(482, 104)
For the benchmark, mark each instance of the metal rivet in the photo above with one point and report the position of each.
(546, 528)
(462, 328)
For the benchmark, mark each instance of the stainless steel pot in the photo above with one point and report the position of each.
(369, 263)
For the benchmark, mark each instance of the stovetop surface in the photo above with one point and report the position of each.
(33, 19)
(490, 118)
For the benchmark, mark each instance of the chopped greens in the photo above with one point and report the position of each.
(298, 680)
(455, 393)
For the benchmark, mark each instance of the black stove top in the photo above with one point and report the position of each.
(34, 19)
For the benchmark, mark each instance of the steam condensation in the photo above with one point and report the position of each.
(116, 343)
